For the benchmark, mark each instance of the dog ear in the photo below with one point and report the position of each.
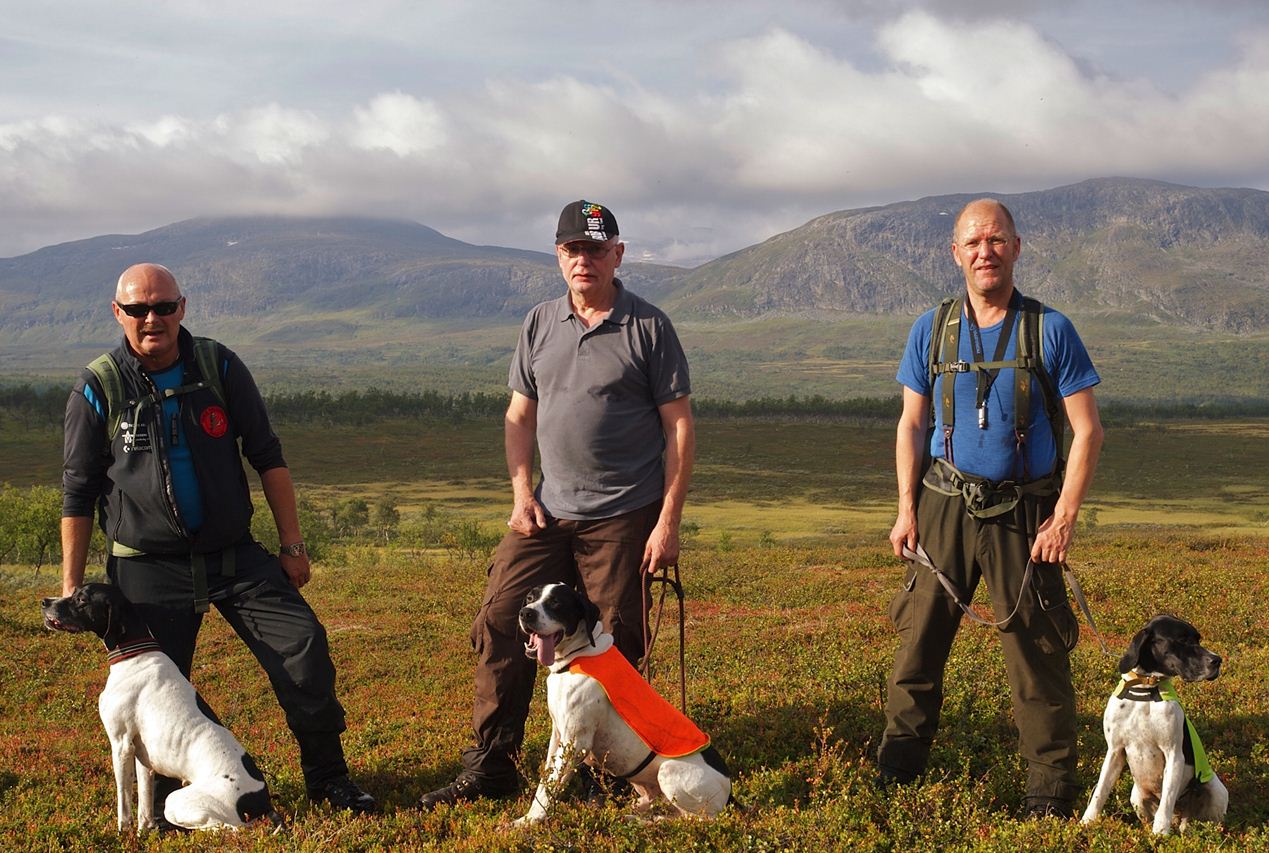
(589, 615)
(1132, 657)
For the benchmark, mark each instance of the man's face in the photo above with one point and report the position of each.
(985, 249)
(152, 337)
(588, 266)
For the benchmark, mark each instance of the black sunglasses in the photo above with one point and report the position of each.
(140, 310)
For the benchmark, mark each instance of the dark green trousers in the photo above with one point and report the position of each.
(1036, 641)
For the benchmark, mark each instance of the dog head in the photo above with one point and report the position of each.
(96, 608)
(1169, 646)
(556, 614)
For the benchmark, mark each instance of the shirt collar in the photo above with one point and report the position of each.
(622, 306)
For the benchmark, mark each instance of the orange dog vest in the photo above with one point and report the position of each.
(658, 724)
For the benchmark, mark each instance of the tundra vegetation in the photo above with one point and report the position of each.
(787, 574)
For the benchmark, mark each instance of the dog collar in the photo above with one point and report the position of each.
(130, 649)
(1153, 688)
(1145, 688)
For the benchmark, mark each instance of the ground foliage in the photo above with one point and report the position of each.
(788, 649)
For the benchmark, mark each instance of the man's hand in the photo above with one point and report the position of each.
(662, 548)
(1053, 540)
(904, 533)
(297, 569)
(527, 517)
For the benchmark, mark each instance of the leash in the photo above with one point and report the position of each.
(1078, 592)
(649, 639)
(919, 555)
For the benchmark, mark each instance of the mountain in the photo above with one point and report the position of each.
(1180, 256)
(290, 268)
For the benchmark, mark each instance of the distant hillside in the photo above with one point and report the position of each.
(1179, 255)
(290, 269)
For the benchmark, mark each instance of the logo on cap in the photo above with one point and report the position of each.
(591, 209)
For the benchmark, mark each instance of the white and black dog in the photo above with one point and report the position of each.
(566, 635)
(155, 725)
(1145, 724)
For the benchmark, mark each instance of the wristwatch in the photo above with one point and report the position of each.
(295, 550)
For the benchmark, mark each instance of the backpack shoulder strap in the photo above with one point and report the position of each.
(111, 380)
(945, 335)
(1031, 362)
(207, 355)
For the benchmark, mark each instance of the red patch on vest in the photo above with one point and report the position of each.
(215, 422)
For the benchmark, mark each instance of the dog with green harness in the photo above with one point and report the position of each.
(1146, 727)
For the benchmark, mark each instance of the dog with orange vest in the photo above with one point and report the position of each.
(605, 714)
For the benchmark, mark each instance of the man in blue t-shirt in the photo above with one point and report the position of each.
(991, 499)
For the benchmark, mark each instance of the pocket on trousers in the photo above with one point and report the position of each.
(478, 623)
(1058, 627)
(901, 604)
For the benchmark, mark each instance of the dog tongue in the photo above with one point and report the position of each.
(546, 649)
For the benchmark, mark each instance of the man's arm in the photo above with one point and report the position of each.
(662, 548)
(279, 491)
(76, 533)
(909, 451)
(1053, 539)
(520, 429)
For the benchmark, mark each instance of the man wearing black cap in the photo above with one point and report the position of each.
(600, 383)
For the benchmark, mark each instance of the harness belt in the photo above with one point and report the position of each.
(1135, 687)
(197, 568)
(984, 498)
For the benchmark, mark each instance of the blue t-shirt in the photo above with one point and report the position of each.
(991, 452)
(189, 500)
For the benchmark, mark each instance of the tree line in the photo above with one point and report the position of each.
(31, 406)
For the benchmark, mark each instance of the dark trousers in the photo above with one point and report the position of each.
(600, 558)
(1036, 642)
(270, 616)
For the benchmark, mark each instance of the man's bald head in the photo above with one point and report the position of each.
(978, 207)
(148, 277)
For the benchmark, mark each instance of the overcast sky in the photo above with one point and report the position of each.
(706, 126)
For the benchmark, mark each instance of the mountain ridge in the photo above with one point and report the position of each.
(1175, 255)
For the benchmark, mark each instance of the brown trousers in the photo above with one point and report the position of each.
(1036, 642)
(599, 557)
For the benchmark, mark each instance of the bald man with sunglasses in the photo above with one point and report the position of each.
(152, 448)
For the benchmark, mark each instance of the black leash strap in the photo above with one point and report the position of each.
(649, 640)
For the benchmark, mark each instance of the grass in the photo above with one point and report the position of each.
(788, 650)
(788, 577)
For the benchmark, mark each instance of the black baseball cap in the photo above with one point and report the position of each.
(585, 220)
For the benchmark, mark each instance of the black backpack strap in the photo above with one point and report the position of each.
(1031, 363)
(945, 336)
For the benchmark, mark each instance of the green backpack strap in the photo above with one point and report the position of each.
(111, 381)
(207, 355)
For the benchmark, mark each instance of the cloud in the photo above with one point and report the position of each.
(773, 127)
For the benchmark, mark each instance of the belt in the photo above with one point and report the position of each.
(984, 498)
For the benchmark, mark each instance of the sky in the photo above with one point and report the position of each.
(705, 125)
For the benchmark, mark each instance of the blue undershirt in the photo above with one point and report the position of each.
(189, 500)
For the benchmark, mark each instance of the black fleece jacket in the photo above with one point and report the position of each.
(132, 489)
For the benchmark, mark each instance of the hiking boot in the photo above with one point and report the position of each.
(467, 787)
(343, 795)
(1038, 808)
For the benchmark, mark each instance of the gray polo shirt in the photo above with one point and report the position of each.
(597, 390)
